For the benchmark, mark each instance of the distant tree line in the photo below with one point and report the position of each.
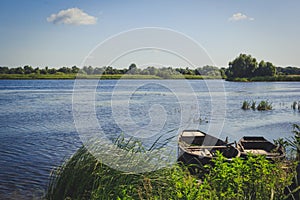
(30, 70)
(243, 66)
(288, 70)
(165, 72)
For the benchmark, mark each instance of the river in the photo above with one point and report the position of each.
(38, 130)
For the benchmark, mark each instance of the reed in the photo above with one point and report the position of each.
(264, 105)
(85, 177)
(246, 105)
(253, 105)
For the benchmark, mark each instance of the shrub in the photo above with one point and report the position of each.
(252, 178)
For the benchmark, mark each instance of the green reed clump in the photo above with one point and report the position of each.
(264, 105)
(246, 105)
(253, 105)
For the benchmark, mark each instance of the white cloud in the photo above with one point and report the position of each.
(239, 17)
(73, 16)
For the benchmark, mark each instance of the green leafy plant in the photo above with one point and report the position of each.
(252, 178)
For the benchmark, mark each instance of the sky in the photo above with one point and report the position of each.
(58, 33)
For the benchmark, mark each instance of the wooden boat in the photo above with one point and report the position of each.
(257, 145)
(198, 148)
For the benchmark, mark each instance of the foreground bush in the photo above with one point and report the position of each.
(83, 177)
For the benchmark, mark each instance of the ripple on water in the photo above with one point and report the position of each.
(37, 130)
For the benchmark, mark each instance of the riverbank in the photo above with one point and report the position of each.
(61, 76)
(104, 76)
(267, 78)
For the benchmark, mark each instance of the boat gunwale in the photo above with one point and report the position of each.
(185, 147)
(279, 154)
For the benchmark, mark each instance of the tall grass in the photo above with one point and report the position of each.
(85, 177)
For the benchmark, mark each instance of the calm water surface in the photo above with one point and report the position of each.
(37, 130)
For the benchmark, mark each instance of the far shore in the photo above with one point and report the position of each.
(99, 76)
(61, 76)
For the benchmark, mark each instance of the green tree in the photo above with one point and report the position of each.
(65, 70)
(52, 71)
(288, 70)
(43, 71)
(108, 70)
(88, 70)
(243, 66)
(98, 70)
(133, 69)
(37, 70)
(28, 69)
(4, 70)
(208, 71)
(19, 70)
(152, 70)
(75, 70)
(265, 69)
(223, 72)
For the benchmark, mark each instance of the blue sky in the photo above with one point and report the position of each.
(59, 33)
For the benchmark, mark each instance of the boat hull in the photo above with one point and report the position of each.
(256, 145)
(197, 148)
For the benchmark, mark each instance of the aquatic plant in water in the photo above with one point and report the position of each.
(253, 105)
(246, 105)
(264, 105)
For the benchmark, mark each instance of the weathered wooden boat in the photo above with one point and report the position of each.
(198, 148)
(258, 145)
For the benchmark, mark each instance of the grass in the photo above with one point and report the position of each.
(267, 78)
(84, 177)
(60, 75)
